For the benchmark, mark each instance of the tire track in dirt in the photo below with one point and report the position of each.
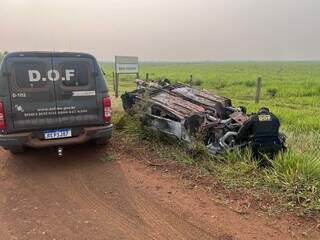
(117, 219)
(144, 212)
(175, 226)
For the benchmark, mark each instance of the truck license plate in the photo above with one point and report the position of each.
(58, 133)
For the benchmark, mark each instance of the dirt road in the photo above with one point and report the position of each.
(81, 197)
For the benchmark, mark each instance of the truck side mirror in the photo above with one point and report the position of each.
(104, 74)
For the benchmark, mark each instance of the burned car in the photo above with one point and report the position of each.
(182, 111)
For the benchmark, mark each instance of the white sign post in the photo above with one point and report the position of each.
(125, 65)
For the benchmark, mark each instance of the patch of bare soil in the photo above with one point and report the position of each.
(136, 196)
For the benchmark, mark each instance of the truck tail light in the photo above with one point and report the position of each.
(106, 102)
(3, 125)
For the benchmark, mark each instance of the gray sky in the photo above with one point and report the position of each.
(165, 29)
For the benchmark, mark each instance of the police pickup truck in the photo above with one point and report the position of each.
(52, 99)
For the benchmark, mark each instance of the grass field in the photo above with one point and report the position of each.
(290, 89)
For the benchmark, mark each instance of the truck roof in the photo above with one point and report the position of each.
(49, 54)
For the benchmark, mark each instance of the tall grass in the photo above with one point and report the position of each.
(298, 177)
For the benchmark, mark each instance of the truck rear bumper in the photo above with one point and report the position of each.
(26, 139)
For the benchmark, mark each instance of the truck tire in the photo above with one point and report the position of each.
(101, 141)
(16, 150)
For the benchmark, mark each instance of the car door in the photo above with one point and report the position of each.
(32, 94)
(75, 91)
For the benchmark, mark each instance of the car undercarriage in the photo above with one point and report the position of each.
(185, 112)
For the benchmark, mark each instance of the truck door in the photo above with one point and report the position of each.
(76, 91)
(32, 93)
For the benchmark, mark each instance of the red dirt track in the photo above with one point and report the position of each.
(81, 197)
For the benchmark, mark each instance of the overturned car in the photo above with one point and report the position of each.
(181, 111)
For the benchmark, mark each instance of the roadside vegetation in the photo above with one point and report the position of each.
(291, 90)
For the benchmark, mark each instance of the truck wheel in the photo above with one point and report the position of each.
(16, 150)
(101, 141)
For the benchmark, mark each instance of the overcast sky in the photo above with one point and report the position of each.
(165, 29)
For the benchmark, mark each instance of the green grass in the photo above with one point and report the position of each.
(290, 89)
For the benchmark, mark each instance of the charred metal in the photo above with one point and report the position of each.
(182, 111)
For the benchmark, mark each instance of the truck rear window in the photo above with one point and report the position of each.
(80, 74)
(28, 74)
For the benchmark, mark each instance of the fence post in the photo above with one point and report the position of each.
(113, 82)
(117, 85)
(190, 81)
(258, 89)
(147, 76)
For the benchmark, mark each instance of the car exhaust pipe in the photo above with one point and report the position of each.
(223, 141)
(60, 151)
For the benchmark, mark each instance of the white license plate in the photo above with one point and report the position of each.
(59, 133)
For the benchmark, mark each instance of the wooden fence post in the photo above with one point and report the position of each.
(258, 89)
(190, 81)
(117, 85)
(147, 76)
(113, 82)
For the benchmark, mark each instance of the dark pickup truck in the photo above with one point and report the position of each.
(52, 99)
